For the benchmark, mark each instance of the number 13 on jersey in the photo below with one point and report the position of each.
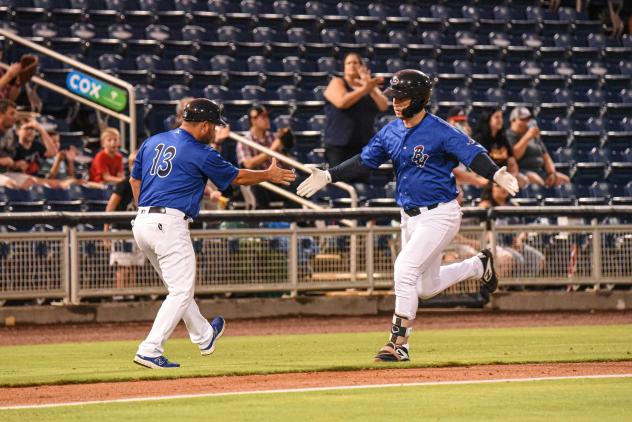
(162, 160)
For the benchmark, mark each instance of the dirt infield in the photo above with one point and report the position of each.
(137, 389)
(425, 320)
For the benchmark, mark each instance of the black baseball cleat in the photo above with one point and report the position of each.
(392, 353)
(489, 279)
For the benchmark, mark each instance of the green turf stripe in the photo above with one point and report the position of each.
(112, 361)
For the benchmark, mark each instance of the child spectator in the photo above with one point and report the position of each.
(107, 166)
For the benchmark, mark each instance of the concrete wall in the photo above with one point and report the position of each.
(312, 306)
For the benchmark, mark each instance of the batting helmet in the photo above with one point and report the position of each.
(203, 110)
(413, 84)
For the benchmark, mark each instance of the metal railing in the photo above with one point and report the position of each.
(131, 95)
(295, 164)
(75, 263)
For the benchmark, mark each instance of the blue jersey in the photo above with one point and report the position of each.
(174, 168)
(423, 159)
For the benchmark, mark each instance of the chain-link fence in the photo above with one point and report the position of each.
(34, 265)
(77, 262)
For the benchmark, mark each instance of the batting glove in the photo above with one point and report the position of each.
(506, 180)
(314, 183)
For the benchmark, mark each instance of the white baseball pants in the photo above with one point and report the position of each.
(166, 241)
(418, 270)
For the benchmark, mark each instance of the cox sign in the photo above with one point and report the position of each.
(98, 91)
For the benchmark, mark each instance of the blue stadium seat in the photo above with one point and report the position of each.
(216, 92)
(58, 199)
(230, 34)
(429, 66)
(317, 122)
(110, 62)
(186, 63)
(19, 200)
(254, 93)
(176, 92)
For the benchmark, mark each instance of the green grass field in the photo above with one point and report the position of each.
(566, 400)
(109, 361)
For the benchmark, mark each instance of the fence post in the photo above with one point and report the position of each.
(293, 260)
(596, 251)
(370, 257)
(74, 267)
(353, 263)
(65, 268)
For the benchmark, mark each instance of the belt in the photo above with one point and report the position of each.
(413, 212)
(165, 210)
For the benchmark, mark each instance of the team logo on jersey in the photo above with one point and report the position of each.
(419, 158)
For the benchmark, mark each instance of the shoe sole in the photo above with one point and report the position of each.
(212, 349)
(150, 365)
(389, 358)
(493, 282)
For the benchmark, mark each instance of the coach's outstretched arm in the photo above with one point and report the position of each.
(346, 171)
(274, 174)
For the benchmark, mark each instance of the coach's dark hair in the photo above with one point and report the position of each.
(5, 104)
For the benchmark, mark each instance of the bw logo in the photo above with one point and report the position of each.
(419, 158)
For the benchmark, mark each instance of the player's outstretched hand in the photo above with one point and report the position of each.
(280, 175)
(314, 183)
(506, 180)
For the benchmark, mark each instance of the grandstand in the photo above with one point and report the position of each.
(566, 68)
(560, 64)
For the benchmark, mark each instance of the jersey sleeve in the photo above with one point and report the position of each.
(137, 169)
(374, 153)
(464, 148)
(218, 170)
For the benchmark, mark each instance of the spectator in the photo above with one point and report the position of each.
(62, 166)
(533, 157)
(107, 166)
(9, 81)
(352, 103)
(30, 153)
(252, 159)
(7, 141)
(458, 118)
(177, 119)
(125, 254)
(489, 133)
(513, 255)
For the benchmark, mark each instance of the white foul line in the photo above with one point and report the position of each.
(305, 390)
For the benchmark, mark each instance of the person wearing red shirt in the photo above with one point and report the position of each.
(107, 166)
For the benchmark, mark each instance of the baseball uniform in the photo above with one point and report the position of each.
(174, 168)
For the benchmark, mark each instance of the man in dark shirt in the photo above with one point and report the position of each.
(533, 158)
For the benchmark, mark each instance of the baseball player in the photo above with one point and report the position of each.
(424, 149)
(168, 180)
